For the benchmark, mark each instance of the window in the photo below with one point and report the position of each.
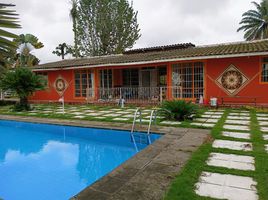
(84, 83)
(106, 78)
(188, 80)
(162, 73)
(264, 72)
(130, 77)
(45, 78)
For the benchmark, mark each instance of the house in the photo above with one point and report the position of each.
(231, 72)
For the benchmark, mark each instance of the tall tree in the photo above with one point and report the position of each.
(106, 26)
(27, 43)
(63, 49)
(255, 22)
(74, 17)
(8, 19)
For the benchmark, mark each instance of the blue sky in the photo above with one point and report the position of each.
(162, 22)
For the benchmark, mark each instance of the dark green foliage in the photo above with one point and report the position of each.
(255, 22)
(105, 26)
(63, 50)
(8, 20)
(24, 82)
(178, 109)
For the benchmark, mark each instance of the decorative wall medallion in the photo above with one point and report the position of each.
(232, 80)
(60, 85)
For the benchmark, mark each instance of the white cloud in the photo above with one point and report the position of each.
(161, 22)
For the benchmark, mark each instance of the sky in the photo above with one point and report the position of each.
(201, 22)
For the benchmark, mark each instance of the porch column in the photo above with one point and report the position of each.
(169, 81)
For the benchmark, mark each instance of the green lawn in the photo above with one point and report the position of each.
(183, 186)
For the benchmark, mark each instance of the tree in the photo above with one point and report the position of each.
(63, 49)
(24, 82)
(74, 17)
(8, 20)
(27, 43)
(106, 27)
(255, 22)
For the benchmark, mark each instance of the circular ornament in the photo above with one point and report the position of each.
(232, 80)
(60, 85)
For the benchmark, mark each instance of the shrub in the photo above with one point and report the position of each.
(178, 109)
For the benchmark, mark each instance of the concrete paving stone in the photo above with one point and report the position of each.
(211, 116)
(239, 114)
(236, 127)
(47, 111)
(264, 129)
(99, 117)
(263, 123)
(93, 114)
(143, 120)
(208, 125)
(244, 111)
(122, 112)
(120, 119)
(170, 122)
(116, 109)
(231, 161)
(104, 111)
(206, 120)
(238, 117)
(77, 113)
(266, 148)
(79, 117)
(228, 180)
(60, 112)
(208, 113)
(112, 115)
(262, 118)
(265, 136)
(89, 111)
(131, 110)
(218, 110)
(262, 114)
(128, 116)
(233, 145)
(226, 191)
(236, 135)
(32, 113)
(238, 122)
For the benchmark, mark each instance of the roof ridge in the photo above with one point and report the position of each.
(231, 43)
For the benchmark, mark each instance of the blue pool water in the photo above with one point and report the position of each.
(51, 162)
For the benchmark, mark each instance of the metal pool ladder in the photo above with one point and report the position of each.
(152, 118)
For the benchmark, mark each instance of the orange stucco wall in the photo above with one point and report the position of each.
(249, 66)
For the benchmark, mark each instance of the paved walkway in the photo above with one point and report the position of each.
(228, 186)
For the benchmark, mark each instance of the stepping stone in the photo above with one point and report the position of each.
(122, 112)
(263, 123)
(89, 111)
(170, 122)
(128, 116)
(240, 122)
(99, 117)
(112, 115)
(120, 119)
(266, 148)
(47, 111)
(93, 114)
(207, 120)
(77, 113)
(236, 127)
(143, 120)
(265, 136)
(116, 109)
(131, 110)
(239, 114)
(244, 111)
(262, 115)
(236, 135)
(238, 117)
(79, 117)
(233, 145)
(211, 116)
(226, 186)
(262, 118)
(105, 111)
(231, 161)
(264, 129)
(203, 124)
(208, 113)
(60, 112)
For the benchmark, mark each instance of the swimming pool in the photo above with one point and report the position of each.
(41, 161)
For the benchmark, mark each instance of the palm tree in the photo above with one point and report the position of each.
(62, 50)
(255, 22)
(74, 16)
(8, 20)
(27, 43)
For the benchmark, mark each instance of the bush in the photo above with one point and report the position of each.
(178, 109)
